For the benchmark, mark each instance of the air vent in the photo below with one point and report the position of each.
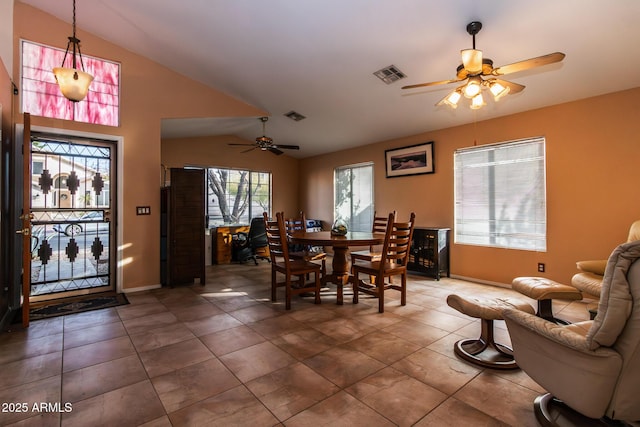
(295, 116)
(390, 74)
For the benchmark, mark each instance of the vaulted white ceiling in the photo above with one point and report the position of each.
(317, 57)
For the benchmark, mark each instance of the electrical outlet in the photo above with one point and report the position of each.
(541, 267)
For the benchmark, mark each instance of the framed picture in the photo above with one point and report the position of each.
(411, 160)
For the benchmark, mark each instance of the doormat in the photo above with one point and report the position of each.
(80, 304)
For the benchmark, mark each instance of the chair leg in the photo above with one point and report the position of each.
(403, 288)
(317, 300)
(355, 287)
(274, 285)
(484, 351)
(380, 291)
(287, 304)
(545, 310)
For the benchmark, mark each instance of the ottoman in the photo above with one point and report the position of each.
(484, 351)
(545, 291)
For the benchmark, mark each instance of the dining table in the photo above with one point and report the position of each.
(341, 273)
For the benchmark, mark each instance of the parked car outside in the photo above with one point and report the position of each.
(90, 218)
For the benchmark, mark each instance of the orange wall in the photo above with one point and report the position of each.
(593, 150)
(149, 93)
(214, 151)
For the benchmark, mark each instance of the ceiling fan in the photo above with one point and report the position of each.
(266, 144)
(480, 74)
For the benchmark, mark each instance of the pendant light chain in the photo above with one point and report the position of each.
(74, 83)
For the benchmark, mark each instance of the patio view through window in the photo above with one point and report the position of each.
(235, 196)
(353, 196)
(500, 195)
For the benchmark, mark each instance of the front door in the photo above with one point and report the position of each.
(73, 233)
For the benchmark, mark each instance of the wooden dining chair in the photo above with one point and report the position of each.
(374, 253)
(282, 263)
(393, 262)
(303, 252)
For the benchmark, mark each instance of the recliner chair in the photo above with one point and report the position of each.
(591, 368)
(589, 280)
(252, 245)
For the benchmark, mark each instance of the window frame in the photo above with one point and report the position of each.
(361, 225)
(39, 89)
(211, 223)
(507, 207)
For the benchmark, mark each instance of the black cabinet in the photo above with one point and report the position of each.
(430, 252)
(182, 228)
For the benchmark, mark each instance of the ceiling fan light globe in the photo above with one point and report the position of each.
(477, 102)
(452, 99)
(472, 88)
(472, 60)
(498, 90)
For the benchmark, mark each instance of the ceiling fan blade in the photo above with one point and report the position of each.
(441, 82)
(287, 147)
(275, 151)
(241, 145)
(528, 63)
(513, 87)
(250, 149)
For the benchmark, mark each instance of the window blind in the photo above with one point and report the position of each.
(500, 195)
(353, 196)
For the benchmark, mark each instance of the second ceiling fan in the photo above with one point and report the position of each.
(480, 74)
(265, 143)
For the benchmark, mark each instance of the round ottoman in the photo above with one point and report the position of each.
(545, 291)
(484, 351)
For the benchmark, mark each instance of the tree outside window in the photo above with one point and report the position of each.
(235, 196)
(353, 196)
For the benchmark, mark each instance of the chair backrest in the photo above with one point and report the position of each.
(617, 325)
(295, 224)
(397, 241)
(380, 226)
(380, 222)
(634, 231)
(257, 233)
(276, 238)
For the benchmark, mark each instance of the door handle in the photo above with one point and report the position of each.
(24, 231)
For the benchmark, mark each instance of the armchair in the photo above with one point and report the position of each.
(252, 245)
(592, 368)
(589, 279)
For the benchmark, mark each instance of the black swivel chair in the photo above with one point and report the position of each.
(246, 246)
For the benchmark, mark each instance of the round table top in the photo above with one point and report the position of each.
(325, 238)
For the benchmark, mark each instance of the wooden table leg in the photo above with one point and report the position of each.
(340, 267)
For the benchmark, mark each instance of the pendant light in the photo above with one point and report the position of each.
(74, 83)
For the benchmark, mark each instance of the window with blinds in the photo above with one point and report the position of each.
(353, 196)
(500, 195)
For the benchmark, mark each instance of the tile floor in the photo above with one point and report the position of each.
(224, 354)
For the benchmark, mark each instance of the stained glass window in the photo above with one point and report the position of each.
(41, 96)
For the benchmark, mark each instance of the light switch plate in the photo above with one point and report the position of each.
(143, 210)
